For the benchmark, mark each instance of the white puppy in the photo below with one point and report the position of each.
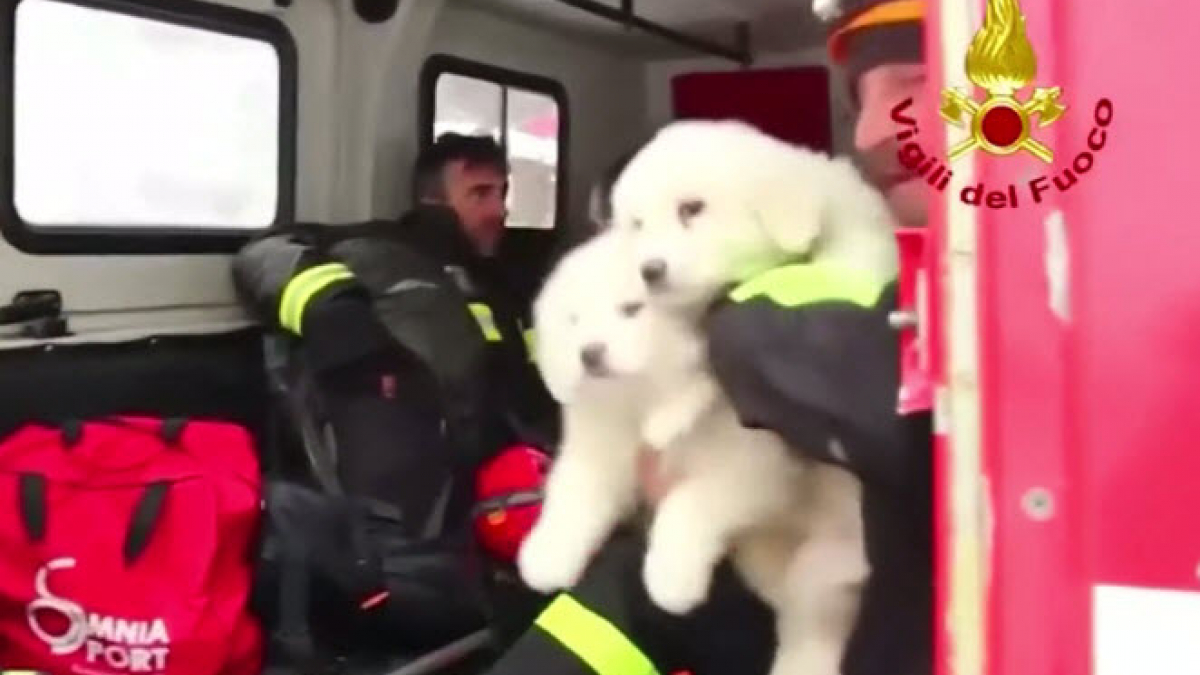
(631, 375)
(711, 203)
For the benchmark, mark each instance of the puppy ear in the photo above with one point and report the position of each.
(791, 216)
(791, 188)
(559, 367)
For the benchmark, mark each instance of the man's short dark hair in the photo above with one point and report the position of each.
(474, 151)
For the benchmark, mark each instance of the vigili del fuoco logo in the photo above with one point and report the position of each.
(1002, 63)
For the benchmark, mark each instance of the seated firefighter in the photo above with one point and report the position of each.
(405, 370)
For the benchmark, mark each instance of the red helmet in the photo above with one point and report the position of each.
(508, 495)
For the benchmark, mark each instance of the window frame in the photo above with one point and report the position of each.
(445, 64)
(156, 239)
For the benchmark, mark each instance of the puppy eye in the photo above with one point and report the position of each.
(690, 209)
(630, 309)
(637, 223)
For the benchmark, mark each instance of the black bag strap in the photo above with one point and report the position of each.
(144, 522)
(293, 636)
(171, 430)
(360, 512)
(31, 504)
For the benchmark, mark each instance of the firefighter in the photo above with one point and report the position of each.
(844, 416)
(407, 332)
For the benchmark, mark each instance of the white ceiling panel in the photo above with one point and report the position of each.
(775, 25)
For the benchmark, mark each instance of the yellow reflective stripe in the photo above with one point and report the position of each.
(530, 343)
(301, 289)
(802, 284)
(487, 322)
(598, 643)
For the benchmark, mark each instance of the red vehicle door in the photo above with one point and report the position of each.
(1068, 325)
(789, 103)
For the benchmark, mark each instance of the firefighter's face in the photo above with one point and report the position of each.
(880, 90)
(478, 195)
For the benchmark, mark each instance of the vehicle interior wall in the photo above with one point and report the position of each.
(161, 334)
(113, 297)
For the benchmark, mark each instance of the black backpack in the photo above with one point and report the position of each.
(367, 550)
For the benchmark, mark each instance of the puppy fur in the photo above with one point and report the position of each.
(709, 203)
(632, 374)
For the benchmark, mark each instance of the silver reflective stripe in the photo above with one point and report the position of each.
(437, 515)
(410, 285)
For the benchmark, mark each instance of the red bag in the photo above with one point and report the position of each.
(508, 499)
(129, 549)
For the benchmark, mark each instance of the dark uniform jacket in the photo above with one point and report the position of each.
(411, 369)
(413, 289)
(807, 351)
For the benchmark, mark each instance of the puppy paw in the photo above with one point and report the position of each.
(548, 564)
(674, 585)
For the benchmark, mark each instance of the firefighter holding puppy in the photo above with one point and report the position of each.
(607, 625)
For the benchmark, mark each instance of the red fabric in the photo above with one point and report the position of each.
(70, 602)
(916, 384)
(789, 103)
(500, 527)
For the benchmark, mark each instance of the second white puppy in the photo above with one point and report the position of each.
(630, 376)
(710, 203)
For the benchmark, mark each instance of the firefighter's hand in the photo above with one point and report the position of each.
(654, 480)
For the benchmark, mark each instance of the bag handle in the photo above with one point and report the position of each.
(147, 512)
(31, 504)
(170, 429)
(144, 522)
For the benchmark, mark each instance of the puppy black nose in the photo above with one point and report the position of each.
(593, 357)
(654, 271)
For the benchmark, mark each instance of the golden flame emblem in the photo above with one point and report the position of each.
(1001, 61)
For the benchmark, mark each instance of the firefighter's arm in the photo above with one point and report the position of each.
(606, 625)
(290, 284)
(807, 351)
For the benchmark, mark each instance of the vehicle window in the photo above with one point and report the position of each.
(470, 106)
(125, 124)
(523, 112)
(533, 154)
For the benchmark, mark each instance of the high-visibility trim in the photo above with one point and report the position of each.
(530, 343)
(896, 11)
(487, 321)
(303, 287)
(803, 284)
(592, 638)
